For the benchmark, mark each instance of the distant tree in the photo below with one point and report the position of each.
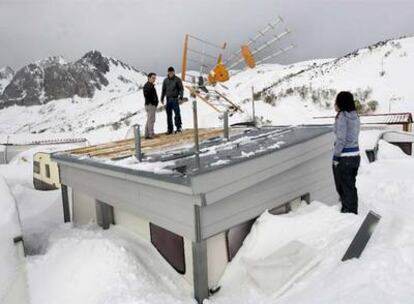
(372, 105)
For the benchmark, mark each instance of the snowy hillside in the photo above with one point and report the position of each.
(378, 75)
(6, 75)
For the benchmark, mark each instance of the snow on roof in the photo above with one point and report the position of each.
(386, 118)
(39, 139)
(215, 153)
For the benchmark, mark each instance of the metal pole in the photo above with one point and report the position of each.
(196, 142)
(137, 136)
(226, 124)
(253, 107)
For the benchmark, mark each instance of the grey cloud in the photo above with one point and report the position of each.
(149, 34)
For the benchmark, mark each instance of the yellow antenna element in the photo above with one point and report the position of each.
(184, 63)
(248, 56)
(218, 74)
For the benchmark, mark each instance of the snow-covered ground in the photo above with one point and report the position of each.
(88, 265)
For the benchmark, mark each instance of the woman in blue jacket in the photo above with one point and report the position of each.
(346, 157)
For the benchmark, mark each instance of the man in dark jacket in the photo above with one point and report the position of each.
(173, 89)
(151, 103)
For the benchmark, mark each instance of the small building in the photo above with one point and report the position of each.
(402, 120)
(45, 172)
(196, 207)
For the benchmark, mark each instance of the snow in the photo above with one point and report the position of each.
(94, 266)
(387, 151)
(17, 173)
(40, 213)
(133, 163)
(10, 228)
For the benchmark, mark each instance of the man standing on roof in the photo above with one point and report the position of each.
(151, 103)
(173, 89)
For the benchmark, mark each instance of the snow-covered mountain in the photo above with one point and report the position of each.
(378, 75)
(53, 78)
(6, 75)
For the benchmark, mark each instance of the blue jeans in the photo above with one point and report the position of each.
(173, 105)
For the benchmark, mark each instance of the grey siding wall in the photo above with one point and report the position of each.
(171, 210)
(313, 176)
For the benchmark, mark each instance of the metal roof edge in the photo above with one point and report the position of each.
(179, 184)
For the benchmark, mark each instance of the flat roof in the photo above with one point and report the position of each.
(178, 164)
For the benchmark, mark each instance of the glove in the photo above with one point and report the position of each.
(335, 163)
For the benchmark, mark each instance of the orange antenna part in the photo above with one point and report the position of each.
(248, 56)
(184, 63)
(218, 74)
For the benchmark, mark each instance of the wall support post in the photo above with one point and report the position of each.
(104, 214)
(200, 264)
(65, 203)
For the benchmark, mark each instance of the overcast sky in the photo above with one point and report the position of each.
(149, 33)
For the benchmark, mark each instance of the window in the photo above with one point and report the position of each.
(170, 246)
(36, 167)
(47, 167)
(235, 237)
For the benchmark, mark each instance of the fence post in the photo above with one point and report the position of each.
(226, 124)
(137, 137)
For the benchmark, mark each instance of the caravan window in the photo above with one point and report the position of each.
(47, 171)
(236, 235)
(36, 167)
(170, 245)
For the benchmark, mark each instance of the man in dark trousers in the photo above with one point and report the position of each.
(151, 103)
(173, 89)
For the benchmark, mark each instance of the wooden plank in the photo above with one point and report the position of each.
(170, 143)
(126, 147)
(158, 142)
(126, 143)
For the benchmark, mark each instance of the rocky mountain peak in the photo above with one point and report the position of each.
(6, 73)
(50, 61)
(53, 78)
(96, 59)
